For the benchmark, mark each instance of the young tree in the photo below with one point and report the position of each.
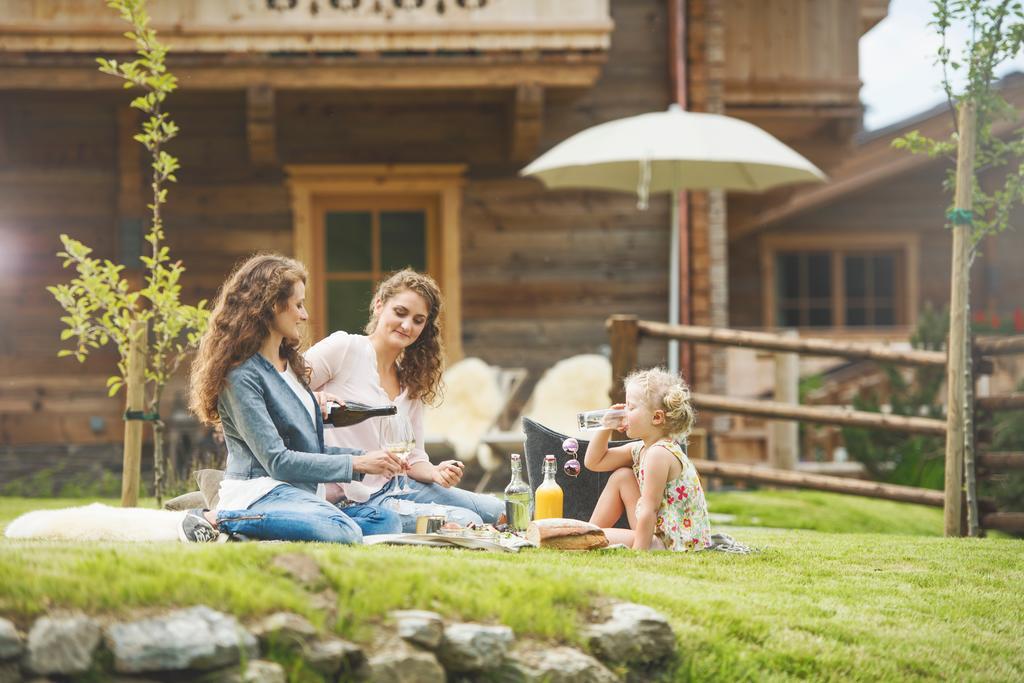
(996, 34)
(100, 304)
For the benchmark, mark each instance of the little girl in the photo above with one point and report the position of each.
(652, 479)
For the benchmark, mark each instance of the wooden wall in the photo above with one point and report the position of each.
(913, 203)
(541, 270)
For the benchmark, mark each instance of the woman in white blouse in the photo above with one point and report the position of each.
(399, 362)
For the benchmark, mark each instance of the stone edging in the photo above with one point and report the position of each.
(202, 644)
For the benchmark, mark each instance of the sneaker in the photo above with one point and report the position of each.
(195, 529)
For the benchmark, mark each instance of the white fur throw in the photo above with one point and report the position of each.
(97, 522)
(571, 386)
(472, 402)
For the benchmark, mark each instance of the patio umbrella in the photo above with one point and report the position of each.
(672, 151)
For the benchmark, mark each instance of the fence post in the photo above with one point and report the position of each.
(956, 370)
(625, 336)
(786, 435)
(135, 384)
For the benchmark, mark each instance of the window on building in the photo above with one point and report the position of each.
(355, 224)
(837, 288)
(360, 246)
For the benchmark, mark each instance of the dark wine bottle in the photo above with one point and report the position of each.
(353, 413)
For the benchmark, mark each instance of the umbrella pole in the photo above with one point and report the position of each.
(673, 283)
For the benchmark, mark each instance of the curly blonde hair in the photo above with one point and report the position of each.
(421, 364)
(663, 390)
(240, 322)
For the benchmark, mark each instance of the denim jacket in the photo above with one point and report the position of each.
(268, 431)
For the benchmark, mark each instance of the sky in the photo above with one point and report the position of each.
(897, 64)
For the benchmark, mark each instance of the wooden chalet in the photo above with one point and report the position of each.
(364, 135)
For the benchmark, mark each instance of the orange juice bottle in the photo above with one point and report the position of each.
(548, 498)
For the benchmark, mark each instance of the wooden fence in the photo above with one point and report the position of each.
(626, 331)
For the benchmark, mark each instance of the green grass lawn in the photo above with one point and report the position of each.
(849, 606)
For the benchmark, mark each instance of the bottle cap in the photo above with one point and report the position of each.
(514, 456)
(549, 458)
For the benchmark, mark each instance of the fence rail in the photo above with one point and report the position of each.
(625, 333)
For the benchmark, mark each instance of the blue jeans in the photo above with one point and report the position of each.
(290, 514)
(457, 505)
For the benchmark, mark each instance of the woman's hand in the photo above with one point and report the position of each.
(323, 398)
(378, 462)
(448, 473)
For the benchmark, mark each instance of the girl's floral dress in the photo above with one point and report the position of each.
(682, 522)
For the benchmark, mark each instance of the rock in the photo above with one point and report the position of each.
(332, 655)
(398, 662)
(300, 567)
(283, 629)
(263, 671)
(10, 641)
(556, 665)
(193, 638)
(474, 647)
(419, 627)
(62, 645)
(632, 634)
(10, 672)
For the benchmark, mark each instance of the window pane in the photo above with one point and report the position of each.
(855, 275)
(885, 316)
(788, 277)
(885, 274)
(349, 241)
(819, 273)
(820, 317)
(348, 305)
(403, 240)
(856, 316)
(789, 317)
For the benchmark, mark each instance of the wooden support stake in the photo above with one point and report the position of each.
(135, 384)
(956, 369)
(786, 434)
(625, 337)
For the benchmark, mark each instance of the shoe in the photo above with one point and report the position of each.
(195, 529)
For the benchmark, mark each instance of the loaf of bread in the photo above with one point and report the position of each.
(565, 534)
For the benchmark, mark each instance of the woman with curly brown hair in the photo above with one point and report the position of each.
(399, 360)
(250, 377)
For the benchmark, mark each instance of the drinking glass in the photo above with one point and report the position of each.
(397, 436)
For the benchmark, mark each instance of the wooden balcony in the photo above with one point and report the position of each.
(315, 25)
(352, 44)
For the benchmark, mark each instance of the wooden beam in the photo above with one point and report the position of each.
(624, 336)
(1006, 402)
(324, 73)
(261, 130)
(1011, 522)
(818, 482)
(989, 346)
(1001, 461)
(767, 341)
(527, 121)
(830, 415)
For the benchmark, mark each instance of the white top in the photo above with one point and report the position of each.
(346, 365)
(239, 494)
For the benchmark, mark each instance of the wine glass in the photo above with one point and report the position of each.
(397, 436)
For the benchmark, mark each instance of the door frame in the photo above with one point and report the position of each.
(316, 186)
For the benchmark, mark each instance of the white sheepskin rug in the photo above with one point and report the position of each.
(97, 522)
(571, 386)
(472, 402)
